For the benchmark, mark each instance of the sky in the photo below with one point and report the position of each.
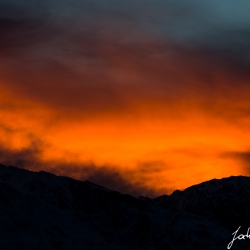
(143, 97)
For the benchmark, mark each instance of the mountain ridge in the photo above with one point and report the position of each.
(62, 213)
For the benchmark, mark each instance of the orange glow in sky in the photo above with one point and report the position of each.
(142, 117)
(159, 140)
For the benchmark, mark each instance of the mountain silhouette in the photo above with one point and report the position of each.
(39, 210)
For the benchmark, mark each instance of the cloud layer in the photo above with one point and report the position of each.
(141, 96)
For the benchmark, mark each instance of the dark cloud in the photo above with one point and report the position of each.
(21, 158)
(222, 29)
(109, 176)
(133, 182)
(22, 26)
(243, 157)
(83, 55)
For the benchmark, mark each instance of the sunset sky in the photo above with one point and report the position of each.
(143, 97)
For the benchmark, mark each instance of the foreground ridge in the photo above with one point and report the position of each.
(39, 210)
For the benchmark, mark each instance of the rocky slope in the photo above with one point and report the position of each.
(225, 202)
